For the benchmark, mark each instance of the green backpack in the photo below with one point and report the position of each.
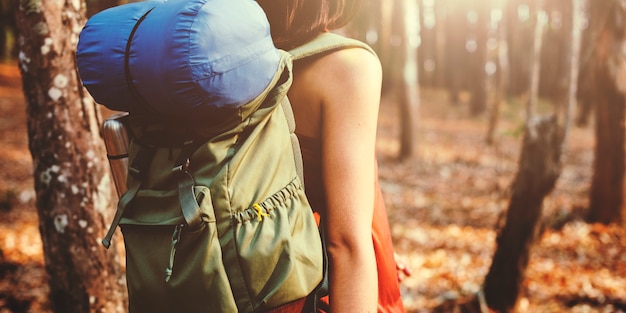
(216, 219)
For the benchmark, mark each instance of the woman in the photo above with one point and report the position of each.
(335, 99)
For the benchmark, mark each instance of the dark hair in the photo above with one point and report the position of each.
(294, 22)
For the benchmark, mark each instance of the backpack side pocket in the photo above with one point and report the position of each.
(278, 247)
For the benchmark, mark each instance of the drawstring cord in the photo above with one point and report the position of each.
(175, 240)
(259, 211)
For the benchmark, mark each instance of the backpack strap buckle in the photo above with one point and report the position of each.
(182, 167)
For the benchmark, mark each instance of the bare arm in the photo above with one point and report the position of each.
(350, 101)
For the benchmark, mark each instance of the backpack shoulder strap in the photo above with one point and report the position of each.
(327, 42)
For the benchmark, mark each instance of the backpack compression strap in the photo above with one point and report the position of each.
(190, 209)
(139, 100)
(186, 195)
(295, 144)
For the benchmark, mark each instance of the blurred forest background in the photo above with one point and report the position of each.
(501, 151)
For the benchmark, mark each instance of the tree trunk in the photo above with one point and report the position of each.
(574, 44)
(501, 82)
(539, 167)
(72, 182)
(519, 35)
(585, 81)
(427, 50)
(441, 44)
(407, 29)
(607, 187)
(478, 103)
(555, 59)
(533, 95)
(456, 53)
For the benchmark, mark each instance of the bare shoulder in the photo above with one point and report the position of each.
(341, 72)
(329, 86)
(349, 65)
(347, 73)
(335, 92)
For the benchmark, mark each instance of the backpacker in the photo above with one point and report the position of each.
(214, 214)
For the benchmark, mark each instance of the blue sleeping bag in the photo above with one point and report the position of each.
(181, 58)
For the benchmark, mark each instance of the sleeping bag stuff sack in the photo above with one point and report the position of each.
(181, 59)
(214, 217)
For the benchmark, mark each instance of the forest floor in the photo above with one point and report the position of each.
(445, 207)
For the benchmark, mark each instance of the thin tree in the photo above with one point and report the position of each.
(441, 44)
(502, 80)
(406, 11)
(478, 83)
(456, 54)
(519, 30)
(73, 187)
(578, 12)
(533, 97)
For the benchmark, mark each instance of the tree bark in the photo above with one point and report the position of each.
(72, 182)
(607, 187)
(539, 168)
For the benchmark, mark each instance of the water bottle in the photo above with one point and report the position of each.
(115, 134)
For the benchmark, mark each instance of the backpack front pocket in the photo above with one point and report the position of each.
(171, 268)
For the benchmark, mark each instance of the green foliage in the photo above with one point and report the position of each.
(516, 132)
(514, 111)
